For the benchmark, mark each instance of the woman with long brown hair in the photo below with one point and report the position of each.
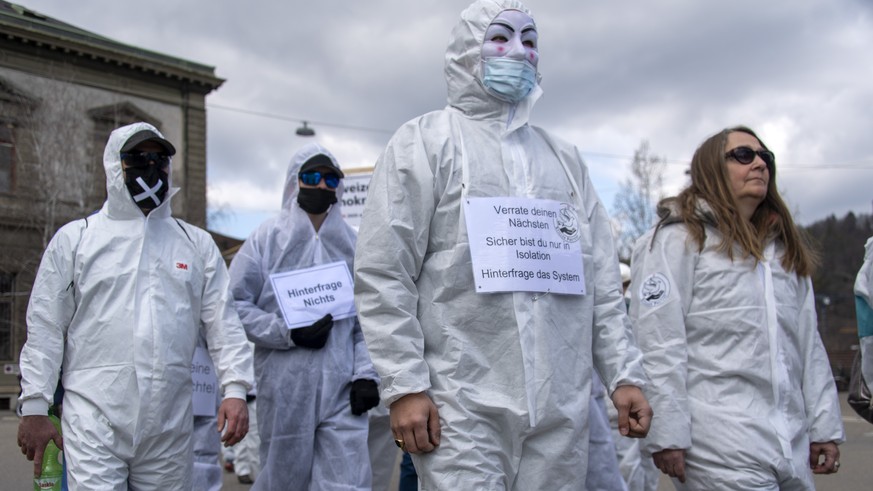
(723, 309)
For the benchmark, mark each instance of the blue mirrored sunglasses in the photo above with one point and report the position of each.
(331, 180)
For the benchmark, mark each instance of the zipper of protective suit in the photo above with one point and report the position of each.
(773, 335)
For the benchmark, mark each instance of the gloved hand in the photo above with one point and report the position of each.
(364, 395)
(314, 336)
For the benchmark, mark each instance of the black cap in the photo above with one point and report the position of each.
(320, 160)
(148, 135)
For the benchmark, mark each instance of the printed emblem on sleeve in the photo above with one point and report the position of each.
(654, 290)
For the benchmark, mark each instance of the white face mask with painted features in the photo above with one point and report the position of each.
(510, 56)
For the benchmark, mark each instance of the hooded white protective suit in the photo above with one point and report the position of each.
(739, 375)
(207, 447)
(510, 373)
(309, 436)
(206, 475)
(603, 462)
(864, 311)
(121, 298)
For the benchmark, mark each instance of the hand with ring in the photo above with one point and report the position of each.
(415, 423)
(824, 457)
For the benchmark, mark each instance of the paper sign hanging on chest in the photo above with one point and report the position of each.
(524, 244)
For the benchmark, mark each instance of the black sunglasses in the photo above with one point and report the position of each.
(745, 156)
(313, 178)
(143, 159)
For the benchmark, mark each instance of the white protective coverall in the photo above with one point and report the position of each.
(637, 470)
(603, 464)
(739, 375)
(309, 437)
(510, 373)
(246, 453)
(864, 312)
(207, 446)
(384, 454)
(121, 298)
(207, 474)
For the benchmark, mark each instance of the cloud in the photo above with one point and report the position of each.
(670, 72)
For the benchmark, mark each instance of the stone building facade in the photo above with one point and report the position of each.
(62, 91)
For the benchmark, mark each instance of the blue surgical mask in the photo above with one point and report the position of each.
(508, 79)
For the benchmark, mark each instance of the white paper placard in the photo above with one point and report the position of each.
(306, 295)
(524, 244)
(205, 383)
(355, 188)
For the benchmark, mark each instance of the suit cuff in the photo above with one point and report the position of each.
(235, 390)
(34, 407)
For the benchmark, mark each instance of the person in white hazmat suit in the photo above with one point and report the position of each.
(246, 454)
(490, 390)
(207, 447)
(206, 475)
(384, 454)
(120, 299)
(864, 312)
(315, 383)
(603, 456)
(723, 308)
(640, 474)
(604, 472)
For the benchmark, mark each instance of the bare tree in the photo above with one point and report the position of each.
(61, 171)
(218, 214)
(634, 206)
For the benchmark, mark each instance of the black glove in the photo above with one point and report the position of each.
(314, 336)
(364, 395)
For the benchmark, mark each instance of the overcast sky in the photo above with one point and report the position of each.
(615, 73)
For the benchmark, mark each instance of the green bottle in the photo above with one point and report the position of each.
(52, 466)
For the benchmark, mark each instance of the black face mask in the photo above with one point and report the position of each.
(315, 201)
(155, 190)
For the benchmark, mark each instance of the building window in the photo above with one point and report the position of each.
(7, 154)
(7, 294)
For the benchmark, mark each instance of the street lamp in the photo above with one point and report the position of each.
(825, 303)
(305, 130)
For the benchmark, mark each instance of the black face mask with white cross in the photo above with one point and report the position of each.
(147, 185)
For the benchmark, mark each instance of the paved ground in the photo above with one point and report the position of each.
(856, 472)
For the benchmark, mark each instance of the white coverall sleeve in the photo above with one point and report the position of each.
(864, 313)
(49, 313)
(392, 243)
(822, 414)
(223, 331)
(660, 331)
(616, 356)
(266, 329)
(363, 366)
